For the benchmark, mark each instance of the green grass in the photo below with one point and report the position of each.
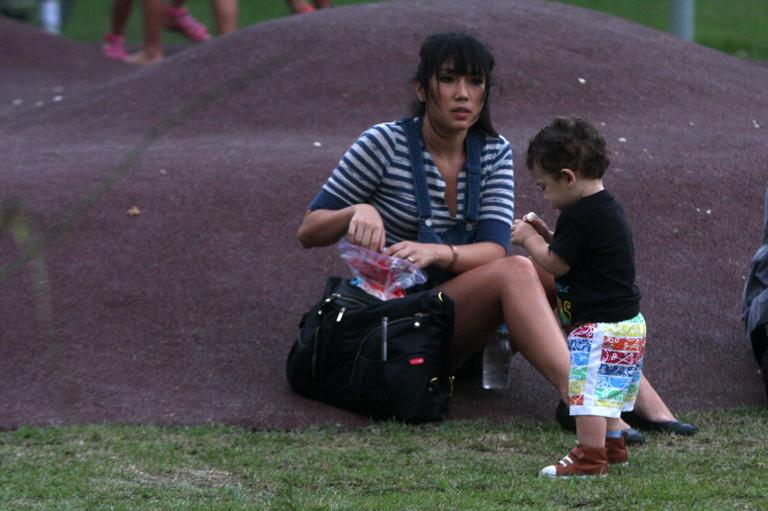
(462, 465)
(739, 27)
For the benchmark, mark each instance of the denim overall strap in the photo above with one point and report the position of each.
(474, 146)
(417, 169)
(463, 231)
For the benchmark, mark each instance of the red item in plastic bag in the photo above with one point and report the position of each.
(382, 276)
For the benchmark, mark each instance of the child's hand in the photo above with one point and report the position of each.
(521, 231)
(540, 226)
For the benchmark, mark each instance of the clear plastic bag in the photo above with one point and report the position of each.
(382, 276)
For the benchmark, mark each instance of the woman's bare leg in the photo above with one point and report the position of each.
(649, 404)
(509, 290)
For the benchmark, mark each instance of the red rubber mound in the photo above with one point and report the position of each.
(184, 311)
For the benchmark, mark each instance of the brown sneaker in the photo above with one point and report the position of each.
(580, 462)
(617, 451)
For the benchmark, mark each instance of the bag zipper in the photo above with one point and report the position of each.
(436, 380)
(415, 318)
(338, 319)
(348, 298)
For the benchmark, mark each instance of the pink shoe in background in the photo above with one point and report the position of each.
(114, 47)
(178, 19)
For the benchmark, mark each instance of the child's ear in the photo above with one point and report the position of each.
(568, 175)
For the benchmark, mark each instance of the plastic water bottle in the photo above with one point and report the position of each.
(497, 361)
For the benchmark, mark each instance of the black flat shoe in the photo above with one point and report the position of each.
(633, 437)
(674, 427)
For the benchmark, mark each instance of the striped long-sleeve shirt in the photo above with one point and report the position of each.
(377, 170)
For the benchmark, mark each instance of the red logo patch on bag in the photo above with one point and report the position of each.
(416, 361)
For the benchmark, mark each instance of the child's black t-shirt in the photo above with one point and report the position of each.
(593, 237)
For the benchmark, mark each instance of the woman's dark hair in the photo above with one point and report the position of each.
(468, 57)
(568, 142)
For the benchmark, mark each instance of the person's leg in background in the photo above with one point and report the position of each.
(153, 29)
(178, 19)
(114, 41)
(225, 12)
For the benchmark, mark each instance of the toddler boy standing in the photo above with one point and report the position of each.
(591, 255)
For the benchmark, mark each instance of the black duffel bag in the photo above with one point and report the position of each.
(338, 356)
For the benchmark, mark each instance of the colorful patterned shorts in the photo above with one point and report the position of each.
(606, 363)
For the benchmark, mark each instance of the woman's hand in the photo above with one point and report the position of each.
(422, 254)
(366, 228)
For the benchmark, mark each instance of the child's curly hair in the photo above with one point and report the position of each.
(569, 142)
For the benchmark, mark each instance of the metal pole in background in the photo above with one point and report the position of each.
(681, 18)
(50, 16)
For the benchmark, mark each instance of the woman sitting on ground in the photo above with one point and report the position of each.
(370, 198)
